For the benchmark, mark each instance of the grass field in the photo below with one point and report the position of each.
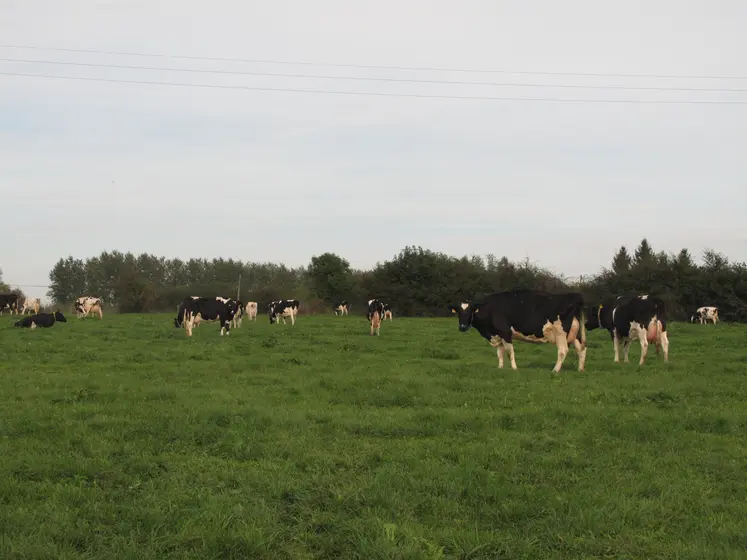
(123, 438)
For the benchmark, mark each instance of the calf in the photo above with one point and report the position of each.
(85, 304)
(704, 314)
(625, 318)
(196, 309)
(341, 308)
(31, 304)
(251, 310)
(44, 320)
(530, 316)
(282, 309)
(374, 316)
(387, 312)
(9, 301)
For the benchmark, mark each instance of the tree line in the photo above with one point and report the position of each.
(415, 282)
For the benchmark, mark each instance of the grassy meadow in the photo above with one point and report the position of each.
(123, 438)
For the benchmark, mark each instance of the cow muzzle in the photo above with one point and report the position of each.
(463, 327)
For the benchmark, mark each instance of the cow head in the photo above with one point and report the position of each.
(59, 317)
(465, 311)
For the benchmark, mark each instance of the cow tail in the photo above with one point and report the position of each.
(583, 326)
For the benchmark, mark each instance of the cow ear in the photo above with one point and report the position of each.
(453, 309)
(475, 309)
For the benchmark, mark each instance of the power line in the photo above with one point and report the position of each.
(375, 66)
(379, 94)
(364, 78)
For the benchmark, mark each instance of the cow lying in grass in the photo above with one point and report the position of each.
(44, 320)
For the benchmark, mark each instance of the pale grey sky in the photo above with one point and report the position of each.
(185, 172)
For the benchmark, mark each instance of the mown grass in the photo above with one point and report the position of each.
(123, 438)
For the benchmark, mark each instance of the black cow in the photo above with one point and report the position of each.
(628, 317)
(281, 309)
(531, 316)
(342, 308)
(44, 320)
(9, 301)
(196, 309)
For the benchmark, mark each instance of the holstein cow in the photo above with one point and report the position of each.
(85, 304)
(625, 318)
(31, 304)
(9, 301)
(251, 310)
(342, 308)
(704, 314)
(375, 311)
(199, 319)
(282, 309)
(530, 316)
(44, 320)
(387, 312)
(193, 310)
(239, 315)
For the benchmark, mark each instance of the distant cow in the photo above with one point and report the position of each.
(704, 314)
(239, 315)
(625, 318)
(44, 320)
(375, 309)
(9, 301)
(199, 319)
(530, 316)
(251, 310)
(341, 308)
(86, 304)
(387, 312)
(193, 310)
(282, 309)
(32, 305)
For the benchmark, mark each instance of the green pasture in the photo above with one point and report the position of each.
(123, 438)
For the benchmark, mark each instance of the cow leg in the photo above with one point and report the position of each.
(616, 344)
(664, 341)
(510, 349)
(581, 352)
(562, 345)
(642, 337)
(626, 349)
(500, 350)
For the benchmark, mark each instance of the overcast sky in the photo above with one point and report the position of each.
(88, 166)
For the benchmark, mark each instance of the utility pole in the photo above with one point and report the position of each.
(238, 289)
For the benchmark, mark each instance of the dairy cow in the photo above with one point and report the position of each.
(630, 317)
(387, 312)
(86, 304)
(342, 308)
(239, 315)
(374, 314)
(704, 314)
(10, 302)
(44, 320)
(32, 305)
(529, 316)
(251, 310)
(281, 309)
(196, 309)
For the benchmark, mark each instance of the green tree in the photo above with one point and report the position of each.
(67, 280)
(330, 277)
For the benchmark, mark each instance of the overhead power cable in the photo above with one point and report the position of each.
(381, 94)
(364, 78)
(375, 66)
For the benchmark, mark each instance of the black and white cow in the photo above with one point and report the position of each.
(342, 308)
(9, 301)
(628, 317)
(281, 309)
(44, 320)
(530, 316)
(373, 306)
(87, 304)
(239, 315)
(704, 314)
(193, 310)
(375, 309)
(387, 312)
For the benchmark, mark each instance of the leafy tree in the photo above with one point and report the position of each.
(330, 277)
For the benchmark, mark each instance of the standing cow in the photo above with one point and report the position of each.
(251, 310)
(10, 302)
(342, 308)
(530, 316)
(86, 304)
(375, 312)
(281, 309)
(196, 309)
(627, 318)
(32, 305)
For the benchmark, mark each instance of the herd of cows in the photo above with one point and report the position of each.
(526, 315)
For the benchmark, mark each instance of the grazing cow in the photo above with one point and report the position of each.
(251, 310)
(9, 301)
(626, 318)
(387, 312)
(44, 320)
(196, 309)
(85, 304)
(374, 316)
(530, 316)
(31, 304)
(704, 314)
(282, 309)
(342, 308)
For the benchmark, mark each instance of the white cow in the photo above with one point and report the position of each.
(705, 314)
(251, 310)
(31, 304)
(85, 304)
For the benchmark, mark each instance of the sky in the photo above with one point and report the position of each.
(91, 166)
